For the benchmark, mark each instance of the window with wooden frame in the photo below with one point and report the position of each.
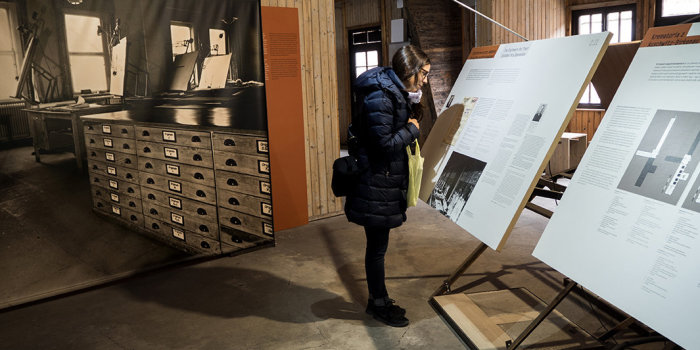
(86, 53)
(365, 46)
(670, 12)
(10, 51)
(619, 20)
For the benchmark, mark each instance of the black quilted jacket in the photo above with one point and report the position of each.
(379, 199)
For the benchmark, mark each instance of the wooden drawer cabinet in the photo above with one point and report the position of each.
(119, 212)
(242, 163)
(186, 189)
(198, 139)
(240, 144)
(244, 222)
(236, 239)
(117, 198)
(114, 171)
(109, 129)
(178, 218)
(110, 143)
(121, 159)
(243, 183)
(175, 153)
(190, 173)
(244, 203)
(196, 209)
(120, 186)
(180, 237)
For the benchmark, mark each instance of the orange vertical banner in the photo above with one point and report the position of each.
(285, 118)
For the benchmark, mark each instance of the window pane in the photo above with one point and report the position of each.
(359, 38)
(88, 72)
(8, 84)
(5, 31)
(679, 7)
(81, 34)
(374, 36)
(372, 58)
(594, 95)
(360, 59)
(626, 26)
(584, 24)
(359, 70)
(597, 23)
(180, 35)
(217, 41)
(613, 26)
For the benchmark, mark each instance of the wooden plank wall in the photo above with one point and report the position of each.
(533, 19)
(320, 100)
(585, 121)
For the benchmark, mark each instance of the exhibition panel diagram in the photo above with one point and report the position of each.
(515, 101)
(628, 226)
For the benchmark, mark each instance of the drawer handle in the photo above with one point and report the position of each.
(129, 176)
(99, 205)
(229, 142)
(201, 211)
(94, 167)
(90, 127)
(130, 190)
(126, 146)
(203, 228)
(93, 154)
(151, 196)
(127, 161)
(232, 182)
(132, 204)
(92, 140)
(231, 162)
(205, 245)
(153, 211)
(201, 193)
(198, 176)
(149, 166)
(133, 218)
(155, 226)
(98, 192)
(124, 131)
(197, 158)
(236, 239)
(236, 221)
(233, 201)
(146, 150)
(145, 133)
(150, 181)
(96, 180)
(196, 139)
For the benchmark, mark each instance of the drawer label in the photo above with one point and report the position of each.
(177, 218)
(117, 210)
(179, 234)
(107, 143)
(265, 187)
(106, 129)
(175, 203)
(114, 197)
(109, 156)
(111, 170)
(113, 184)
(264, 167)
(262, 146)
(266, 209)
(175, 186)
(170, 152)
(169, 136)
(172, 169)
(267, 229)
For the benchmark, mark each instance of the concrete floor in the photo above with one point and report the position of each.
(307, 292)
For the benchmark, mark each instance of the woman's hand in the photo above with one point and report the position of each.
(414, 122)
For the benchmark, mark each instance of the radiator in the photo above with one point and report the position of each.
(14, 124)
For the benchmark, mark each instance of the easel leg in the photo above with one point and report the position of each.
(445, 287)
(536, 322)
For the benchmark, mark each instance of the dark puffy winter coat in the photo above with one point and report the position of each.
(379, 199)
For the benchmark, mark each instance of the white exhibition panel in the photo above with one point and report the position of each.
(628, 226)
(514, 108)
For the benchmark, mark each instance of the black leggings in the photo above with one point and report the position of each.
(377, 242)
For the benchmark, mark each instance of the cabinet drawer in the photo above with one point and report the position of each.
(192, 240)
(109, 129)
(243, 183)
(242, 163)
(188, 207)
(117, 198)
(240, 143)
(123, 187)
(119, 212)
(239, 239)
(122, 159)
(244, 203)
(177, 218)
(186, 189)
(198, 139)
(247, 223)
(113, 171)
(204, 176)
(175, 153)
(110, 143)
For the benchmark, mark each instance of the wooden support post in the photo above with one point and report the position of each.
(445, 287)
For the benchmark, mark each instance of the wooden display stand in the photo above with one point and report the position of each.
(568, 153)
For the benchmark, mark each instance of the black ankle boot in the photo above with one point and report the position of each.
(390, 314)
(389, 302)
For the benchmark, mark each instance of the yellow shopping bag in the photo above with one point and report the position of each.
(415, 174)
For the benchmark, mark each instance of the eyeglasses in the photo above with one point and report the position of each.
(424, 72)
